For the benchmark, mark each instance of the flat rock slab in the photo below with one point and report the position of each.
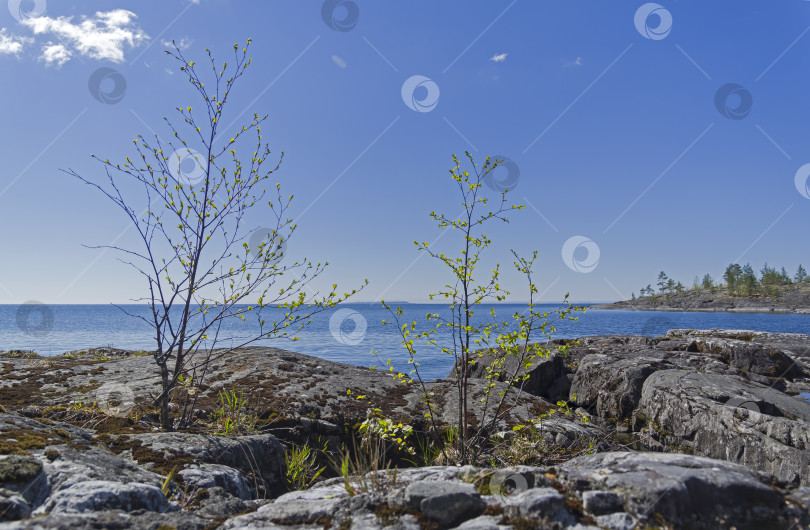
(102, 495)
(690, 491)
(276, 383)
(619, 490)
(729, 418)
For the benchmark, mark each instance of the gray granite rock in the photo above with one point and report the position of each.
(13, 506)
(289, 512)
(111, 520)
(617, 521)
(727, 418)
(540, 375)
(102, 495)
(687, 491)
(612, 386)
(216, 503)
(538, 503)
(447, 503)
(260, 455)
(24, 477)
(217, 475)
(602, 502)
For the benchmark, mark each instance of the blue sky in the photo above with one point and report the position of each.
(607, 109)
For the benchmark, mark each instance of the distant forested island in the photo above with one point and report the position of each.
(741, 290)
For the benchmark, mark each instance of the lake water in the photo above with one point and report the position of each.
(346, 334)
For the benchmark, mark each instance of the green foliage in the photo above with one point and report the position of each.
(365, 468)
(166, 487)
(739, 281)
(801, 275)
(85, 406)
(194, 231)
(232, 417)
(438, 450)
(531, 443)
(378, 426)
(663, 282)
(707, 283)
(301, 467)
(732, 277)
(748, 281)
(473, 337)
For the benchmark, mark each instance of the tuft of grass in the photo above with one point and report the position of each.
(365, 467)
(302, 470)
(232, 418)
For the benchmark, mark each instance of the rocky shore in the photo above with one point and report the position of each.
(693, 429)
(790, 299)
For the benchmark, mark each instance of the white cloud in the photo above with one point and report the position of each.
(339, 61)
(575, 62)
(102, 36)
(169, 71)
(12, 44)
(55, 54)
(184, 43)
(499, 57)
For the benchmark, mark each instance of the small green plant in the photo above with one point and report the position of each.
(232, 417)
(302, 470)
(169, 488)
(521, 339)
(166, 487)
(184, 381)
(442, 449)
(364, 467)
(85, 407)
(533, 444)
(377, 426)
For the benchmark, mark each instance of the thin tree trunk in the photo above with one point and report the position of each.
(165, 420)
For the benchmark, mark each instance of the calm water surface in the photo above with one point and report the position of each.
(355, 329)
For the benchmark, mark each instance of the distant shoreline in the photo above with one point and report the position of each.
(670, 309)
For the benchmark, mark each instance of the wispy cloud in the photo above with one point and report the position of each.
(571, 64)
(184, 43)
(12, 44)
(339, 61)
(103, 36)
(498, 57)
(55, 54)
